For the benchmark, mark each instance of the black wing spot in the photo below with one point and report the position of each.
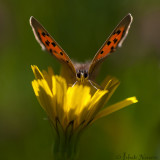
(55, 51)
(115, 40)
(118, 32)
(101, 52)
(112, 49)
(61, 53)
(43, 34)
(67, 61)
(108, 43)
(47, 42)
(50, 50)
(53, 44)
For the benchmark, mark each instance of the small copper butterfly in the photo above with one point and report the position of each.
(82, 72)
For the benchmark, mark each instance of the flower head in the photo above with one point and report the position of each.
(75, 105)
(73, 108)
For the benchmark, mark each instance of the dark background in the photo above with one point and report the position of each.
(80, 27)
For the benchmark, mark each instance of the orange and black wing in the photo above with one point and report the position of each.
(115, 40)
(49, 44)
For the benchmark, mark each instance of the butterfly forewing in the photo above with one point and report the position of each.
(115, 40)
(49, 44)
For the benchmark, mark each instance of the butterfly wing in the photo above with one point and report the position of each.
(49, 44)
(115, 40)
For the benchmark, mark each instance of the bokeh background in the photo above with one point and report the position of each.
(80, 27)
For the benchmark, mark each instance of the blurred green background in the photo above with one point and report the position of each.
(80, 27)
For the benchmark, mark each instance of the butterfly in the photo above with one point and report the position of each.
(81, 72)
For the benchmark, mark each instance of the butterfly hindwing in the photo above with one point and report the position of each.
(115, 40)
(49, 44)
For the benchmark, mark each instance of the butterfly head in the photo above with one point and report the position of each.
(82, 75)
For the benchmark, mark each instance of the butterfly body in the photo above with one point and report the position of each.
(79, 72)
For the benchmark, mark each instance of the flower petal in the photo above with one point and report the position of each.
(45, 97)
(109, 81)
(48, 76)
(116, 107)
(37, 72)
(111, 87)
(59, 89)
(97, 102)
(78, 98)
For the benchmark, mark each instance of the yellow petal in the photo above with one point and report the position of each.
(116, 107)
(35, 87)
(59, 89)
(77, 99)
(109, 81)
(48, 78)
(111, 86)
(37, 72)
(96, 103)
(45, 98)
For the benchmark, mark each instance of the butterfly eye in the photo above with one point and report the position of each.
(85, 75)
(79, 75)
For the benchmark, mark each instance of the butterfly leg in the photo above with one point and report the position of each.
(95, 85)
(74, 83)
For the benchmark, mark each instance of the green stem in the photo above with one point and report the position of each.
(65, 146)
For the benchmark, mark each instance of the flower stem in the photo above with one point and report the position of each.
(65, 146)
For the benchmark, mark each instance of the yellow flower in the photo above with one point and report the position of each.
(74, 104)
(71, 109)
